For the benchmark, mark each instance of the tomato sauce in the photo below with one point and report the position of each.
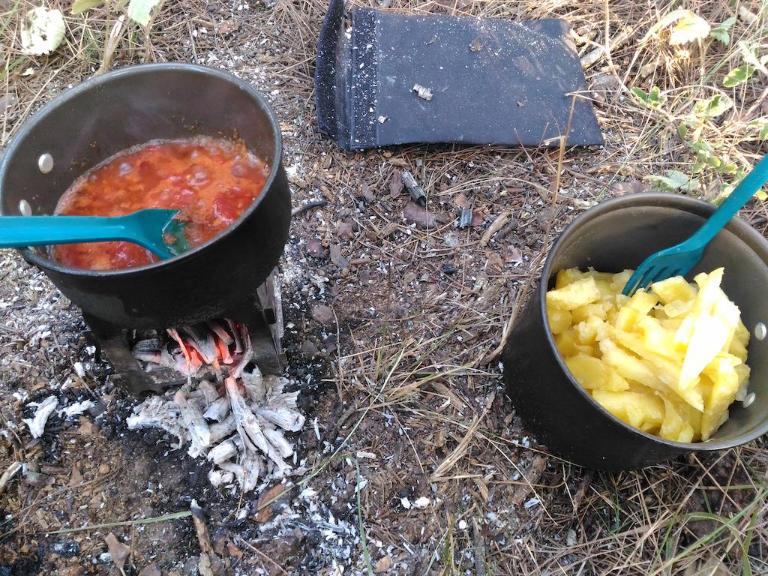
(211, 181)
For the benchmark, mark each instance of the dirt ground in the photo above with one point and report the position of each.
(411, 460)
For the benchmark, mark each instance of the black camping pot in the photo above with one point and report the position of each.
(613, 236)
(110, 113)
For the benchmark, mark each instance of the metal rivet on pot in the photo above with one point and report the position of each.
(24, 208)
(760, 331)
(45, 163)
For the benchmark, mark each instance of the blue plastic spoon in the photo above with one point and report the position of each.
(680, 259)
(154, 229)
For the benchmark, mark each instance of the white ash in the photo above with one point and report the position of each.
(533, 502)
(239, 429)
(44, 410)
(79, 369)
(76, 409)
(155, 412)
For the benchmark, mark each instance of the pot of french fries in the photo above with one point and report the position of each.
(615, 382)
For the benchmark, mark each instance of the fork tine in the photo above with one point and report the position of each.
(659, 274)
(676, 271)
(636, 280)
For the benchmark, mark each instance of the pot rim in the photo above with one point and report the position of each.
(744, 231)
(274, 162)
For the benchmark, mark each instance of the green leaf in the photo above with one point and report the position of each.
(748, 53)
(713, 107)
(761, 126)
(738, 75)
(140, 10)
(704, 152)
(80, 6)
(689, 28)
(674, 180)
(654, 98)
(720, 32)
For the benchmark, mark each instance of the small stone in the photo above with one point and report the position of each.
(344, 231)
(462, 525)
(570, 539)
(338, 258)
(448, 268)
(315, 249)
(421, 502)
(150, 570)
(309, 348)
(383, 565)
(190, 566)
(104, 468)
(322, 313)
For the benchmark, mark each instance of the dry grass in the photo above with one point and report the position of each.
(411, 381)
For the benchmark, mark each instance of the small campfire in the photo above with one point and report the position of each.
(227, 410)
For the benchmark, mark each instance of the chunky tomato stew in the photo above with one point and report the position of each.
(211, 181)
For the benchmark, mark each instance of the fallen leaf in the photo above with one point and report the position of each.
(42, 30)
(396, 184)
(227, 26)
(118, 551)
(494, 262)
(322, 313)
(87, 427)
(512, 255)
(461, 201)
(76, 477)
(365, 193)
(272, 495)
(234, 551)
(421, 216)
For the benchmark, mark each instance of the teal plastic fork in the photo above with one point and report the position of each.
(155, 229)
(680, 259)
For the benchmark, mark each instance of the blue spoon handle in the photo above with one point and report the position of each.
(735, 201)
(22, 231)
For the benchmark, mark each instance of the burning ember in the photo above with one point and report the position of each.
(227, 411)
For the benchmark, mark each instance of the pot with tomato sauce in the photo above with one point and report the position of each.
(156, 136)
